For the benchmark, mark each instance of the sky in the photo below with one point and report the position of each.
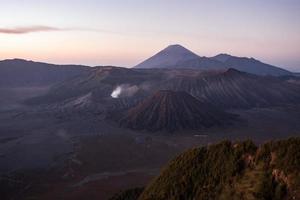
(125, 32)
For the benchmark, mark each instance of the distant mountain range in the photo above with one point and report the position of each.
(177, 56)
(223, 88)
(19, 72)
(250, 65)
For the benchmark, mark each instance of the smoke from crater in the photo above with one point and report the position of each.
(124, 90)
(116, 92)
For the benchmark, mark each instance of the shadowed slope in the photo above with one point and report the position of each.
(231, 171)
(235, 89)
(171, 111)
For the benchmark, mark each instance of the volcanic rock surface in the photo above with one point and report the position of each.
(171, 111)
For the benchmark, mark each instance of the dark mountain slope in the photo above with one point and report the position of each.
(17, 72)
(250, 65)
(235, 89)
(168, 110)
(230, 171)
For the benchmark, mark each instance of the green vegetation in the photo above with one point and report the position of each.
(231, 171)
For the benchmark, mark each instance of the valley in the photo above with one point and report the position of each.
(102, 159)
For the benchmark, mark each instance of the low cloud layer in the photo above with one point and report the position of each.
(28, 29)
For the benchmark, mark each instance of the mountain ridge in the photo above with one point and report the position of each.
(227, 170)
(177, 56)
(20, 72)
(250, 65)
(223, 88)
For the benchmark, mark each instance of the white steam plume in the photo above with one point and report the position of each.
(125, 90)
(116, 92)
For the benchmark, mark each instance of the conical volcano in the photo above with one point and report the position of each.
(177, 56)
(171, 111)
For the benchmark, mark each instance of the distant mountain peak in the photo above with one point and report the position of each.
(222, 57)
(173, 56)
(176, 51)
(224, 54)
(176, 47)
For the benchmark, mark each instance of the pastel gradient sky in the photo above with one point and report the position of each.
(125, 32)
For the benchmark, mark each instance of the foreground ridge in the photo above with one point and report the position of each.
(229, 171)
